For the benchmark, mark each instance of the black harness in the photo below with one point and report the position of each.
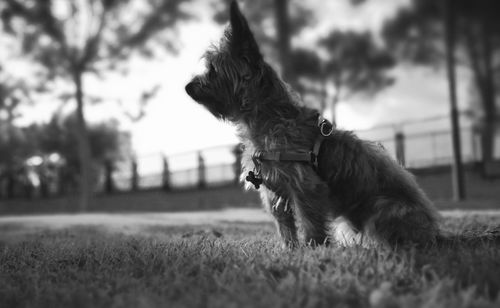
(325, 129)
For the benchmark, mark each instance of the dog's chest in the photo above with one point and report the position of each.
(252, 168)
(247, 162)
(275, 175)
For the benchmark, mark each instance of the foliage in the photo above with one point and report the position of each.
(353, 65)
(274, 24)
(107, 141)
(108, 145)
(261, 15)
(347, 61)
(356, 62)
(15, 146)
(238, 265)
(14, 92)
(72, 39)
(90, 36)
(417, 34)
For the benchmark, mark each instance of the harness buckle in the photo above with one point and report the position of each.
(322, 126)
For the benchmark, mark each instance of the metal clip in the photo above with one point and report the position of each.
(322, 128)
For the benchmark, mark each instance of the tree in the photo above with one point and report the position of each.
(108, 144)
(13, 145)
(287, 19)
(354, 65)
(143, 101)
(14, 150)
(13, 93)
(73, 39)
(417, 35)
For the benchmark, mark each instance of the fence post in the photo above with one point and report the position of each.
(135, 175)
(108, 170)
(202, 181)
(165, 181)
(237, 152)
(399, 139)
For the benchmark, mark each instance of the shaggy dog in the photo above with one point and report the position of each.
(305, 169)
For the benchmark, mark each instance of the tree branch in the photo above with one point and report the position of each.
(160, 18)
(92, 42)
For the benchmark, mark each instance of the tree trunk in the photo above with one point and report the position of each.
(488, 125)
(458, 173)
(83, 146)
(489, 104)
(478, 47)
(487, 140)
(109, 186)
(282, 19)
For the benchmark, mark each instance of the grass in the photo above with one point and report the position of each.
(239, 265)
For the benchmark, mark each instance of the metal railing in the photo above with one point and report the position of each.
(218, 166)
(202, 169)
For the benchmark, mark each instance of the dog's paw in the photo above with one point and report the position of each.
(290, 245)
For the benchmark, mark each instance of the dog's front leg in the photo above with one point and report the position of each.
(313, 206)
(281, 210)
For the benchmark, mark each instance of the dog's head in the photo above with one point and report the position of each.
(233, 71)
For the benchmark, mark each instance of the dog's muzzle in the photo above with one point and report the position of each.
(192, 88)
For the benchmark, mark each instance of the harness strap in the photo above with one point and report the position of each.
(311, 157)
(315, 151)
(326, 129)
(284, 156)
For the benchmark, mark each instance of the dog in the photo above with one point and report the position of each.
(345, 177)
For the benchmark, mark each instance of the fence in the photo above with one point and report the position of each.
(217, 166)
(220, 166)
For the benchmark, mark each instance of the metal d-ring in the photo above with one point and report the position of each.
(322, 129)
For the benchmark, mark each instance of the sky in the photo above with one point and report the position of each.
(175, 124)
(184, 125)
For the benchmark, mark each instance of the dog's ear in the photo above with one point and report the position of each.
(242, 42)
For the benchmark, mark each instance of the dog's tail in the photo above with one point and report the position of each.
(473, 238)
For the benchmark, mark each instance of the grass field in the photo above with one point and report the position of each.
(238, 265)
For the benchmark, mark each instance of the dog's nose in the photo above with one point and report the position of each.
(190, 88)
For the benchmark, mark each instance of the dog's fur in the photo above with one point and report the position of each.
(356, 179)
